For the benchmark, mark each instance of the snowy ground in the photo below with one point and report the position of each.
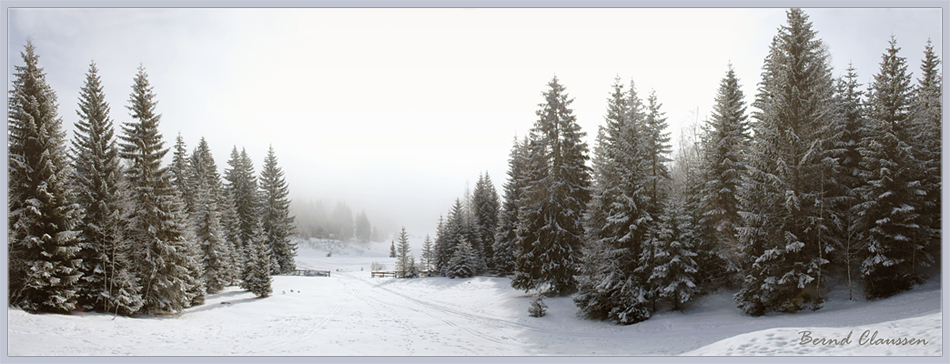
(351, 314)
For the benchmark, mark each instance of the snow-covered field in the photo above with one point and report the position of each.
(352, 314)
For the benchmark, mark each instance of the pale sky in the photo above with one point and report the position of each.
(395, 111)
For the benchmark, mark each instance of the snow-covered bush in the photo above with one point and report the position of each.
(538, 308)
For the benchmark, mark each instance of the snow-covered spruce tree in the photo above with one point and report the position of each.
(194, 279)
(180, 171)
(257, 277)
(275, 215)
(452, 233)
(464, 263)
(674, 268)
(364, 231)
(485, 200)
(231, 227)
(43, 245)
(612, 281)
(242, 191)
(468, 229)
(216, 255)
(181, 174)
(412, 270)
(848, 135)
(658, 178)
(506, 234)
(784, 229)
(440, 256)
(725, 145)
(403, 266)
(107, 283)
(428, 256)
(158, 233)
(392, 249)
(556, 192)
(928, 117)
(537, 308)
(893, 194)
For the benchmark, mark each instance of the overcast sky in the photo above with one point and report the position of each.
(395, 111)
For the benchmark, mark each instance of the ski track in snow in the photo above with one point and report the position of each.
(352, 314)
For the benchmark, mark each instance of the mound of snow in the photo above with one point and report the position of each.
(918, 336)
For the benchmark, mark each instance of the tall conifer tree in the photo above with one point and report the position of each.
(550, 230)
(927, 111)
(485, 200)
(725, 146)
(216, 255)
(785, 229)
(277, 223)
(181, 174)
(107, 283)
(849, 132)
(43, 244)
(162, 256)
(893, 195)
(403, 267)
(242, 191)
(506, 235)
(613, 280)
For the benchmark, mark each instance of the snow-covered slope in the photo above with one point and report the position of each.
(352, 314)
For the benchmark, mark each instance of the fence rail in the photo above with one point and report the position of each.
(311, 273)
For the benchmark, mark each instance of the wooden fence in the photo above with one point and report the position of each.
(311, 273)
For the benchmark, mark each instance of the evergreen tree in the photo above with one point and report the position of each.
(230, 224)
(242, 192)
(674, 268)
(181, 174)
(452, 233)
(364, 231)
(657, 148)
(216, 251)
(464, 261)
(784, 233)
(555, 196)
(441, 254)
(893, 195)
(392, 249)
(537, 308)
(180, 171)
(428, 255)
(928, 122)
(485, 200)
(107, 283)
(469, 229)
(506, 234)
(613, 278)
(277, 223)
(849, 133)
(43, 247)
(726, 142)
(158, 229)
(257, 277)
(403, 265)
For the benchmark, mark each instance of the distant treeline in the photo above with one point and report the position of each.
(313, 222)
